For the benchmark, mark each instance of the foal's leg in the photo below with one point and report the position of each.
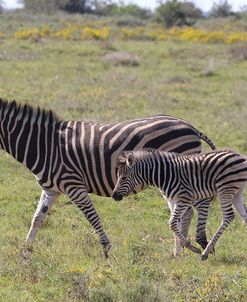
(184, 225)
(202, 207)
(179, 210)
(238, 204)
(46, 201)
(228, 216)
(80, 198)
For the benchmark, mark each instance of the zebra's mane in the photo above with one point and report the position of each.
(143, 154)
(18, 110)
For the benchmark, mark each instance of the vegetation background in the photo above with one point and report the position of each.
(109, 65)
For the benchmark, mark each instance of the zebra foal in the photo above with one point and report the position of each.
(187, 181)
(76, 158)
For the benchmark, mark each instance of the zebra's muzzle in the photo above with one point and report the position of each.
(117, 197)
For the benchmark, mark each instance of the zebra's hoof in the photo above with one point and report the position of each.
(26, 250)
(106, 249)
(204, 257)
(212, 251)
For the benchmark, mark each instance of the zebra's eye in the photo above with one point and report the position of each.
(124, 178)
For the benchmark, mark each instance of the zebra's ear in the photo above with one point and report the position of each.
(130, 159)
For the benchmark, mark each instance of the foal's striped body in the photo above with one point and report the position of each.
(189, 180)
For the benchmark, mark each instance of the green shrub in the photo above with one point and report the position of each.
(1, 6)
(77, 6)
(109, 8)
(221, 10)
(44, 6)
(49, 6)
(176, 13)
(129, 21)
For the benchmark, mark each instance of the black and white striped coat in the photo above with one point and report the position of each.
(76, 158)
(188, 180)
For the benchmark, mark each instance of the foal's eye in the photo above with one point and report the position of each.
(124, 178)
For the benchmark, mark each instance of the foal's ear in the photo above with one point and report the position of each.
(130, 159)
(122, 160)
(125, 159)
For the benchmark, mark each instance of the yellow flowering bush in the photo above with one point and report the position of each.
(97, 34)
(79, 30)
(31, 33)
(234, 37)
(194, 34)
(132, 33)
(65, 33)
(158, 34)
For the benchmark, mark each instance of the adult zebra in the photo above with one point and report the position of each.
(188, 180)
(77, 158)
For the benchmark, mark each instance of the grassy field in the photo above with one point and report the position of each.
(199, 82)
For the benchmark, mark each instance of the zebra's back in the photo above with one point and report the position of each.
(92, 149)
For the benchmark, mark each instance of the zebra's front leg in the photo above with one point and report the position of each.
(46, 201)
(228, 216)
(202, 207)
(180, 208)
(81, 199)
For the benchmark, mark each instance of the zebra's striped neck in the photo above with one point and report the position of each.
(25, 133)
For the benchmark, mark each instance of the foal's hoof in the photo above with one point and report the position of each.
(106, 249)
(204, 257)
(196, 250)
(193, 248)
(177, 254)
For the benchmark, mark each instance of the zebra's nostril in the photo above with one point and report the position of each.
(117, 197)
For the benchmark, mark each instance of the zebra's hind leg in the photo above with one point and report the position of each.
(228, 216)
(202, 207)
(46, 201)
(179, 210)
(81, 199)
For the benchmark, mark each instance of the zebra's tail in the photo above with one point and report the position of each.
(205, 138)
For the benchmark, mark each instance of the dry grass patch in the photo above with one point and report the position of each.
(239, 52)
(122, 58)
(177, 80)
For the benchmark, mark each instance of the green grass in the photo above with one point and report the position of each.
(67, 264)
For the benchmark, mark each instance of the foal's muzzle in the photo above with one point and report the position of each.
(117, 196)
